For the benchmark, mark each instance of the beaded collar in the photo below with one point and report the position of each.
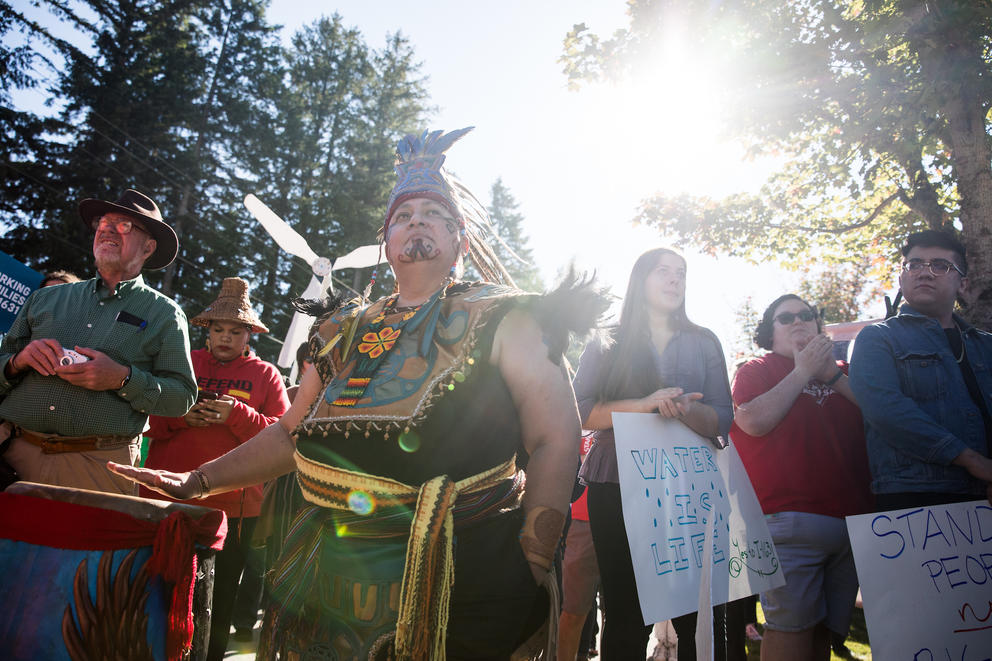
(433, 353)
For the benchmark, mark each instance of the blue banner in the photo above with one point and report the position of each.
(16, 282)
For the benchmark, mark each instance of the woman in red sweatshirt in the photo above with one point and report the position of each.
(239, 395)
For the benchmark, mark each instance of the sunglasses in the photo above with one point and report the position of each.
(786, 318)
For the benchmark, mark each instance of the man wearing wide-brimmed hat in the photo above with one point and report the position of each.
(84, 364)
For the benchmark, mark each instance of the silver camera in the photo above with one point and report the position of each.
(70, 357)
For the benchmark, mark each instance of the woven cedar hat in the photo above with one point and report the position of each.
(232, 304)
(141, 208)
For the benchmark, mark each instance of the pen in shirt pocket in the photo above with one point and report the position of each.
(129, 318)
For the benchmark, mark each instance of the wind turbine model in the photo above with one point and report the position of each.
(291, 241)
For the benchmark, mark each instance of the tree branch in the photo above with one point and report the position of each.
(862, 223)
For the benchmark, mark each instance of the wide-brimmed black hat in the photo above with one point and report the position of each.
(140, 207)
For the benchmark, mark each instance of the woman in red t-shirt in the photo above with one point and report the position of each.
(799, 432)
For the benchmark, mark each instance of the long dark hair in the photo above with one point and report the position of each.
(629, 374)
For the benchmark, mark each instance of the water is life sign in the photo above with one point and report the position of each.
(678, 489)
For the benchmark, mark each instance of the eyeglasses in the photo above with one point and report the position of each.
(786, 318)
(938, 267)
(122, 226)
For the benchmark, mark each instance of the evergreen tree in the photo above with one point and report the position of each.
(743, 349)
(30, 144)
(323, 157)
(154, 101)
(508, 222)
(196, 104)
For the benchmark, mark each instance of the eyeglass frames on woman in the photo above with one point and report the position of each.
(786, 318)
(937, 267)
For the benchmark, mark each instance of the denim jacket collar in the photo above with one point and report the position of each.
(907, 310)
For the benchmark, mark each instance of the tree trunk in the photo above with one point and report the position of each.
(957, 67)
(972, 158)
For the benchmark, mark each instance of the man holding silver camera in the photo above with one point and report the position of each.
(84, 364)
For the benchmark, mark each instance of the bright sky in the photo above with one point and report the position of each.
(579, 163)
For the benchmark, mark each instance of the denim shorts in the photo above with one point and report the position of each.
(821, 583)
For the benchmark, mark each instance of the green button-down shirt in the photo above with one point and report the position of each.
(135, 325)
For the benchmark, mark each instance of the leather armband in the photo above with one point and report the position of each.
(540, 535)
(201, 480)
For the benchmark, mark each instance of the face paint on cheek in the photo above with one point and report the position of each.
(418, 250)
(452, 225)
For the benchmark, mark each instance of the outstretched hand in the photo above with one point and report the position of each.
(181, 486)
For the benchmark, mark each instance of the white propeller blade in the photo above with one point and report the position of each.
(358, 258)
(298, 327)
(291, 241)
(287, 238)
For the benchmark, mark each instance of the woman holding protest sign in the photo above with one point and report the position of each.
(655, 360)
(799, 432)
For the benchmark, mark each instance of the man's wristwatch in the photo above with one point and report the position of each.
(125, 379)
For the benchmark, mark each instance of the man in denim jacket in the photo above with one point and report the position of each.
(924, 382)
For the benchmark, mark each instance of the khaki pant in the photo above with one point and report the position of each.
(82, 470)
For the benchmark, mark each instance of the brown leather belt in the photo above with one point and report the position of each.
(59, 444)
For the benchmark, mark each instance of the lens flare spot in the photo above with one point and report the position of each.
(361, 503)
(409, 441)
(341, 530)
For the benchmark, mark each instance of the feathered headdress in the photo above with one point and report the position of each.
(420, 172)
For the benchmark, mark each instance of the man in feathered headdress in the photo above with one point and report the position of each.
(427, 413)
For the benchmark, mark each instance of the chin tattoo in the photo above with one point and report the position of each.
(419, 250)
